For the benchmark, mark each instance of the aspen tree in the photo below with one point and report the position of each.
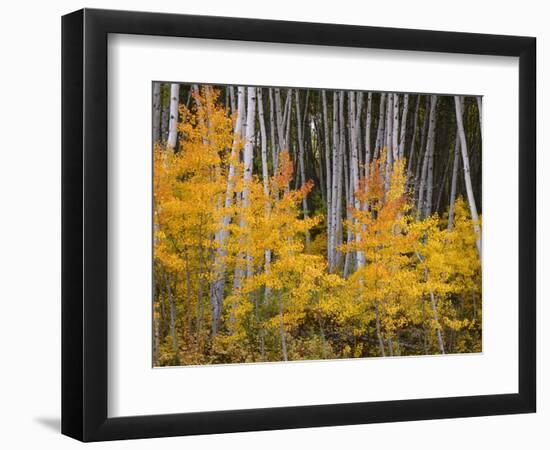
(381, 124)
(413, 139)
(467, 175)
(217, 286)
(403, 133)
(368, 121)
(173, 121)
(156, 112)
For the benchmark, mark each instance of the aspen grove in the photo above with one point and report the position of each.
(296, 224)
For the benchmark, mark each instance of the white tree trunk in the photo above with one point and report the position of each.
(368, 122)
(232, 99)
(389, 142)
(349, 201)
(467, 176)
(279, 119)
(389, 129)
(165, 115)
(217, 286)
(422, 147)
(249, 143)
(263, 136)
(402, 134)
(354, 161)
(248, 158)
(265, 175)
(358, 131)
(301, 157)
(429, 185)
(328, 164)
(288, 117)
(156, 112)
(336, 177)
(480, 114)
(274, 150)
(354, 111)
(413, 140)
(425, 159)
(453, 184)
(341, 182)
(395, 130)
(381, 130)
(430, 145)
(173, 121)
(424, 193)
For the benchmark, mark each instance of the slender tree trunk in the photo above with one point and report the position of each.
(265, 176)
(165, 115)
(348, 260)
(240, 259)
(188, 289)
(328, 177)
(425, 205)
(263, 135)
(306, 109)
(452, 199)
(430, 145)
(274, 151)
(368, 122)
(189, 96)
(249, 144)
(389, 130)
(301, 157)
(357, 112)
(172, 303)
(217, 286)
(389, 142)
(467, 177)
(279, 118)
(480, 114)
(379, 333)
(403, 133)
(434, 309)
(422, 185)
(355, 168)
(282, 328)
(348, 188)
(173, 122)
(430, 185)
(289, 118)
(156, 112)
(232, 99)
(354, 158)
(195, 91)
(436, 320)
(419, 165)
(248, 157)
(413, 140)
(395, 130)
(443, 181)
(381, 130)
(156, 327)
(390, 347)
(336, 183)
(341, 181)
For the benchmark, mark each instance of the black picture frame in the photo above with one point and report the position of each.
(84, 224)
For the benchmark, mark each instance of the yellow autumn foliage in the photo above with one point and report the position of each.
(419, 282)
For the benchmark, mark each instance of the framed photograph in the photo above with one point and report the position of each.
(273, 224)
